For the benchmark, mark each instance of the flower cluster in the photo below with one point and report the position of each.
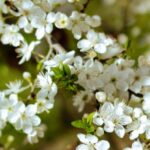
(20, 116)
(25, 117)
(100, 73)
(100, 43)
(31, 17)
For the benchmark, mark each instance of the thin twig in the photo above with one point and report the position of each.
(85, 6)
(49, 41)
(135, 94)
(38, 55)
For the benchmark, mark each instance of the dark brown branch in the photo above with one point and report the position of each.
(85, 6)
(135, 94)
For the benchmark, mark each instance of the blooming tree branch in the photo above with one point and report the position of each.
(100, 71)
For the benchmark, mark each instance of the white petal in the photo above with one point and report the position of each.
(51, 17)
(40, 32)
(137, 146)
(147, 97)
(124, 120)
(82, 138)
(148, 134)
(82, 147)
(31, 110)
(13, 99)
(102, 145)
(22, 22)
(100, 131)
(146, 81)
(134, 135)
(92, 139)
(120, 131)
(84, 45)
(98, 121)
(49, 28)
(109, 127)
(36, 120)
(100, 48)
(100, 96)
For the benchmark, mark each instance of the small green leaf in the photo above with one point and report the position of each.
(66, 69)
(85, 123)
(90, 129)
(64, 78)
(90, 117)
(78, 124)
(128, 44)
(40, 65)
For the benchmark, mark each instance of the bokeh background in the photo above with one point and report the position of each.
(120, 18)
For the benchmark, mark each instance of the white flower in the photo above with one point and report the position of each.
(93, 21)
(65, 58)
(140, 78)
(24, 23)
(113, 118)
(102, 145)
(42, 103)
(97, 41)
(112, 50)
(39, 133)
(62, 21)
(48, 88)
(3, 114)
(27, 76)
(99, 131)
(28, 12)
(137, 127)
(25, 51)
(12, 36)
(3, 7)
(100, 96)
(114, 80)
(44, 81)
(90, 42)
(88, 73)
(137, 112)
(43, 25)
(14, 87)
(81, 23)
(136, 145)
(90, 142)
(12, 107)
(146, 103)
(81, 99)
(52, 4)
(28, 119)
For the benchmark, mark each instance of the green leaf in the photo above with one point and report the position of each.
(90, 117)
(66, 69)
(85, 123)
(56, 70)
(40, 65)
(90, 129)
(78, 124)
(128, 45)
(64, 78)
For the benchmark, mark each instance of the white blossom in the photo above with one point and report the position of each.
(11, 36)
(136, 145)
(91, 142)
(25, 51)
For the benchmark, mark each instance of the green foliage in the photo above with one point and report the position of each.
(64, 78)
(85, 123)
